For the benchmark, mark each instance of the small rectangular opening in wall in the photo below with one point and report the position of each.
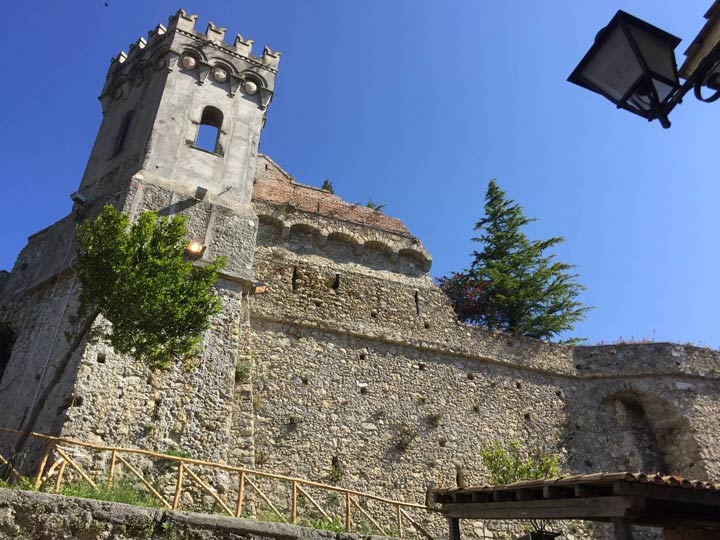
(417, 303)
(336, 283)
(294, 278)
(101, 357)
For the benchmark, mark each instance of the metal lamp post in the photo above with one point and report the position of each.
(632, 63)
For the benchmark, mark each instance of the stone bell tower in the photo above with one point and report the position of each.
(183, 111)
(182, 115)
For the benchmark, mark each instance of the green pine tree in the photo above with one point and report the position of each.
(512, 285)
(327, 186)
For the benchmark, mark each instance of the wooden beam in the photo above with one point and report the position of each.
(527, 494)
(454, 524)
(574, 508)
(586, 491)
(555, 492)
(665, 493)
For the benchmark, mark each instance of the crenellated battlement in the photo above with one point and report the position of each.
(167, 47)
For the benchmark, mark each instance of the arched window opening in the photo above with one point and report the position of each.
(208, 137)
(122, 134)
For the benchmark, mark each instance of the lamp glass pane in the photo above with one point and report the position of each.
(640, 101)
(659, 55)
(663, 89)
(613, 67)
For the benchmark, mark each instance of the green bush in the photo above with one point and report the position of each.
(506, 464)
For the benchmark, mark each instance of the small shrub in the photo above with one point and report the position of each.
(242, 372)
(324, 524)
(506, 464)
(261, 457)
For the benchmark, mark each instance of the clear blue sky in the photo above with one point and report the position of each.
(417, 104)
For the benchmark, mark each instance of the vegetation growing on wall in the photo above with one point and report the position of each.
(506, 463)
(512, 285)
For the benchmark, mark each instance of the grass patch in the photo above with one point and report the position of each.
(124, 490)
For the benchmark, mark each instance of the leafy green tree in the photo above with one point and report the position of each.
(512, 285)
(327, 186)
(135, 276)
(506, 464)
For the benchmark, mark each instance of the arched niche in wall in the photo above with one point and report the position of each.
(269, 230)
(377, 255)
(341, 247)
(411, 262)
(646, 433)
(303, 237)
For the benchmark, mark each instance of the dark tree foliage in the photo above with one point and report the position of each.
(328, 186)
(512, 285)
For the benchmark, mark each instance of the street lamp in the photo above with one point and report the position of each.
(632, 63)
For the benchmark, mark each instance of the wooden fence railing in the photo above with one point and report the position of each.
(390, 518)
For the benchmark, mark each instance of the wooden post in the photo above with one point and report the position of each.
(348, 516)
(112, 468)
(59, 476)
(454, 528)
(622, 529)
(178, 486)
(293, 510)
(399, 522)
(241, 495)
(41, 467)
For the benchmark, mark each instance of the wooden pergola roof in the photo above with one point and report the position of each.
(668, 502)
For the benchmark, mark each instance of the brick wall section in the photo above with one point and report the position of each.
(274, 185)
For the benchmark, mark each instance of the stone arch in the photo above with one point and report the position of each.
(649, 434)
(197, 52)
(413, 259)
(158, 59)
(341, 246)
(270, 230)
(254, 76)
(378, 255)
(222, 63)
(303, 236)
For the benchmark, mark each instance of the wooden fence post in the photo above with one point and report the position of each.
(293, 511)
(178, 486)
(241, 495)
(59, 476)
(112, 468)
(348, 516)
(41, 467)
